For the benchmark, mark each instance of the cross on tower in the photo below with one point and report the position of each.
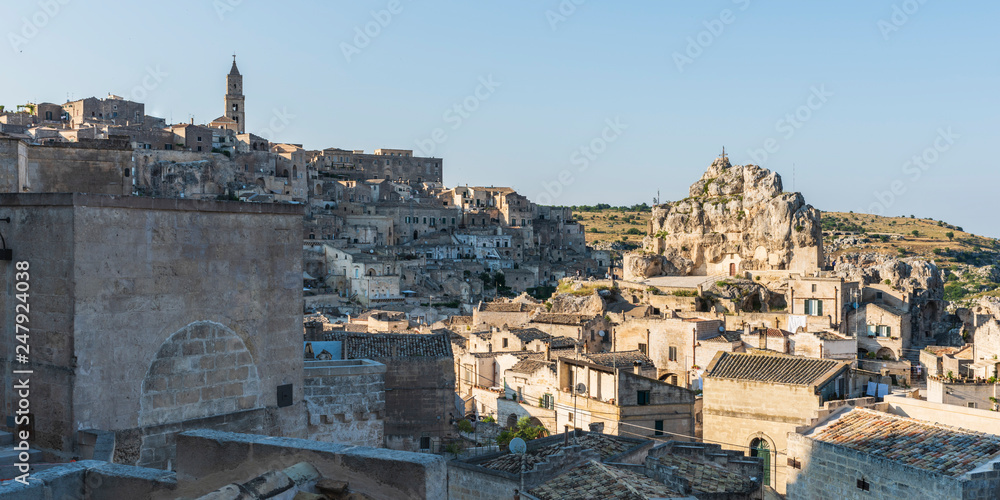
(723, 153)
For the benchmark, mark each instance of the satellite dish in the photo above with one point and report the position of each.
(581, 387)
(517, 445)
(601, 333)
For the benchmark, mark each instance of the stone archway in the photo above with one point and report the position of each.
(202, 370)
(885, 353)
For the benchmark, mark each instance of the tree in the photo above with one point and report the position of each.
(524, 430)
(915, 233)
(950, 235)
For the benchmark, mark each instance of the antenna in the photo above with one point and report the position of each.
(793, 177)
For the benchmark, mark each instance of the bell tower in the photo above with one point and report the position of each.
(234, 98)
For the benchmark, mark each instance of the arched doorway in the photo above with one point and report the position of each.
(885, 353)
(415, 234)
(761, 449)
(732, 269)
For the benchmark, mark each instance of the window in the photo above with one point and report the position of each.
(505, 343)
(814, 307)
(642, 398)
(863, 485)
(673, 353)
(814, 288)
(972, 404)
(878, 295)
(199, 138)
(658, 426)
(883, 331)
(548, 401)
(642, 347)
(425, 442)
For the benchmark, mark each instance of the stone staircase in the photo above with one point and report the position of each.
(9, 457)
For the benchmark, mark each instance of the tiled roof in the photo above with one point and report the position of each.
(830, 336)
(774, 368)
(459, 320)
(393, 345)
(620, 359)
(560, 319)
(942, 449)
(726, 336)
(531, 365)
(707, 477)
(605, 445)
(503, 307)
(595, 480)
(529, 334)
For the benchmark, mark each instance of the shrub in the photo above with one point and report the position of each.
(465, 426)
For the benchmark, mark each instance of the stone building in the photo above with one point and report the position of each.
(621, 401)
(825, 297)
(671, 342)
(752, 401)
(345, 401)
(865, 454)
(88, 166)
(419, 385)
(112, 109)
(885, 330)
(128, 336)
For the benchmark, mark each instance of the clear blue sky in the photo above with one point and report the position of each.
(561, 78)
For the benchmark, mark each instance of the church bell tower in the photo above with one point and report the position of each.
(234, 98)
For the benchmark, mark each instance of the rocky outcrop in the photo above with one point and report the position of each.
(914, 276)
(736, 216)
(567, 303)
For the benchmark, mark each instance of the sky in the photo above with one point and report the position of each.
(875, 106)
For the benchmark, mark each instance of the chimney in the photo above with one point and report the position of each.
(763, 339)
(636, 367)
(192, 120)
(548, 352)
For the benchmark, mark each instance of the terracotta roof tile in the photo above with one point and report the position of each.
(620, 359)
(707, 477)
(605, 445)
(946, 450)
(595, 480)
(774, 368)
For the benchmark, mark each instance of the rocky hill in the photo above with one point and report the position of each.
(736, 217)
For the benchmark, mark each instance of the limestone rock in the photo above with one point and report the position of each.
(566, 303)
(736, 215)
(911, 275)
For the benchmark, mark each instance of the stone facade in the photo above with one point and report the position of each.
(110, 329)
(345, 401)
(89, 166)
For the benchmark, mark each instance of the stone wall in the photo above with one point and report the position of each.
(345, 401)
(100, 167)
(737, 412)
(980, 420)
(208, 460)
(965, 394)
(829, 471)
(420, 395)
(120, 298)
